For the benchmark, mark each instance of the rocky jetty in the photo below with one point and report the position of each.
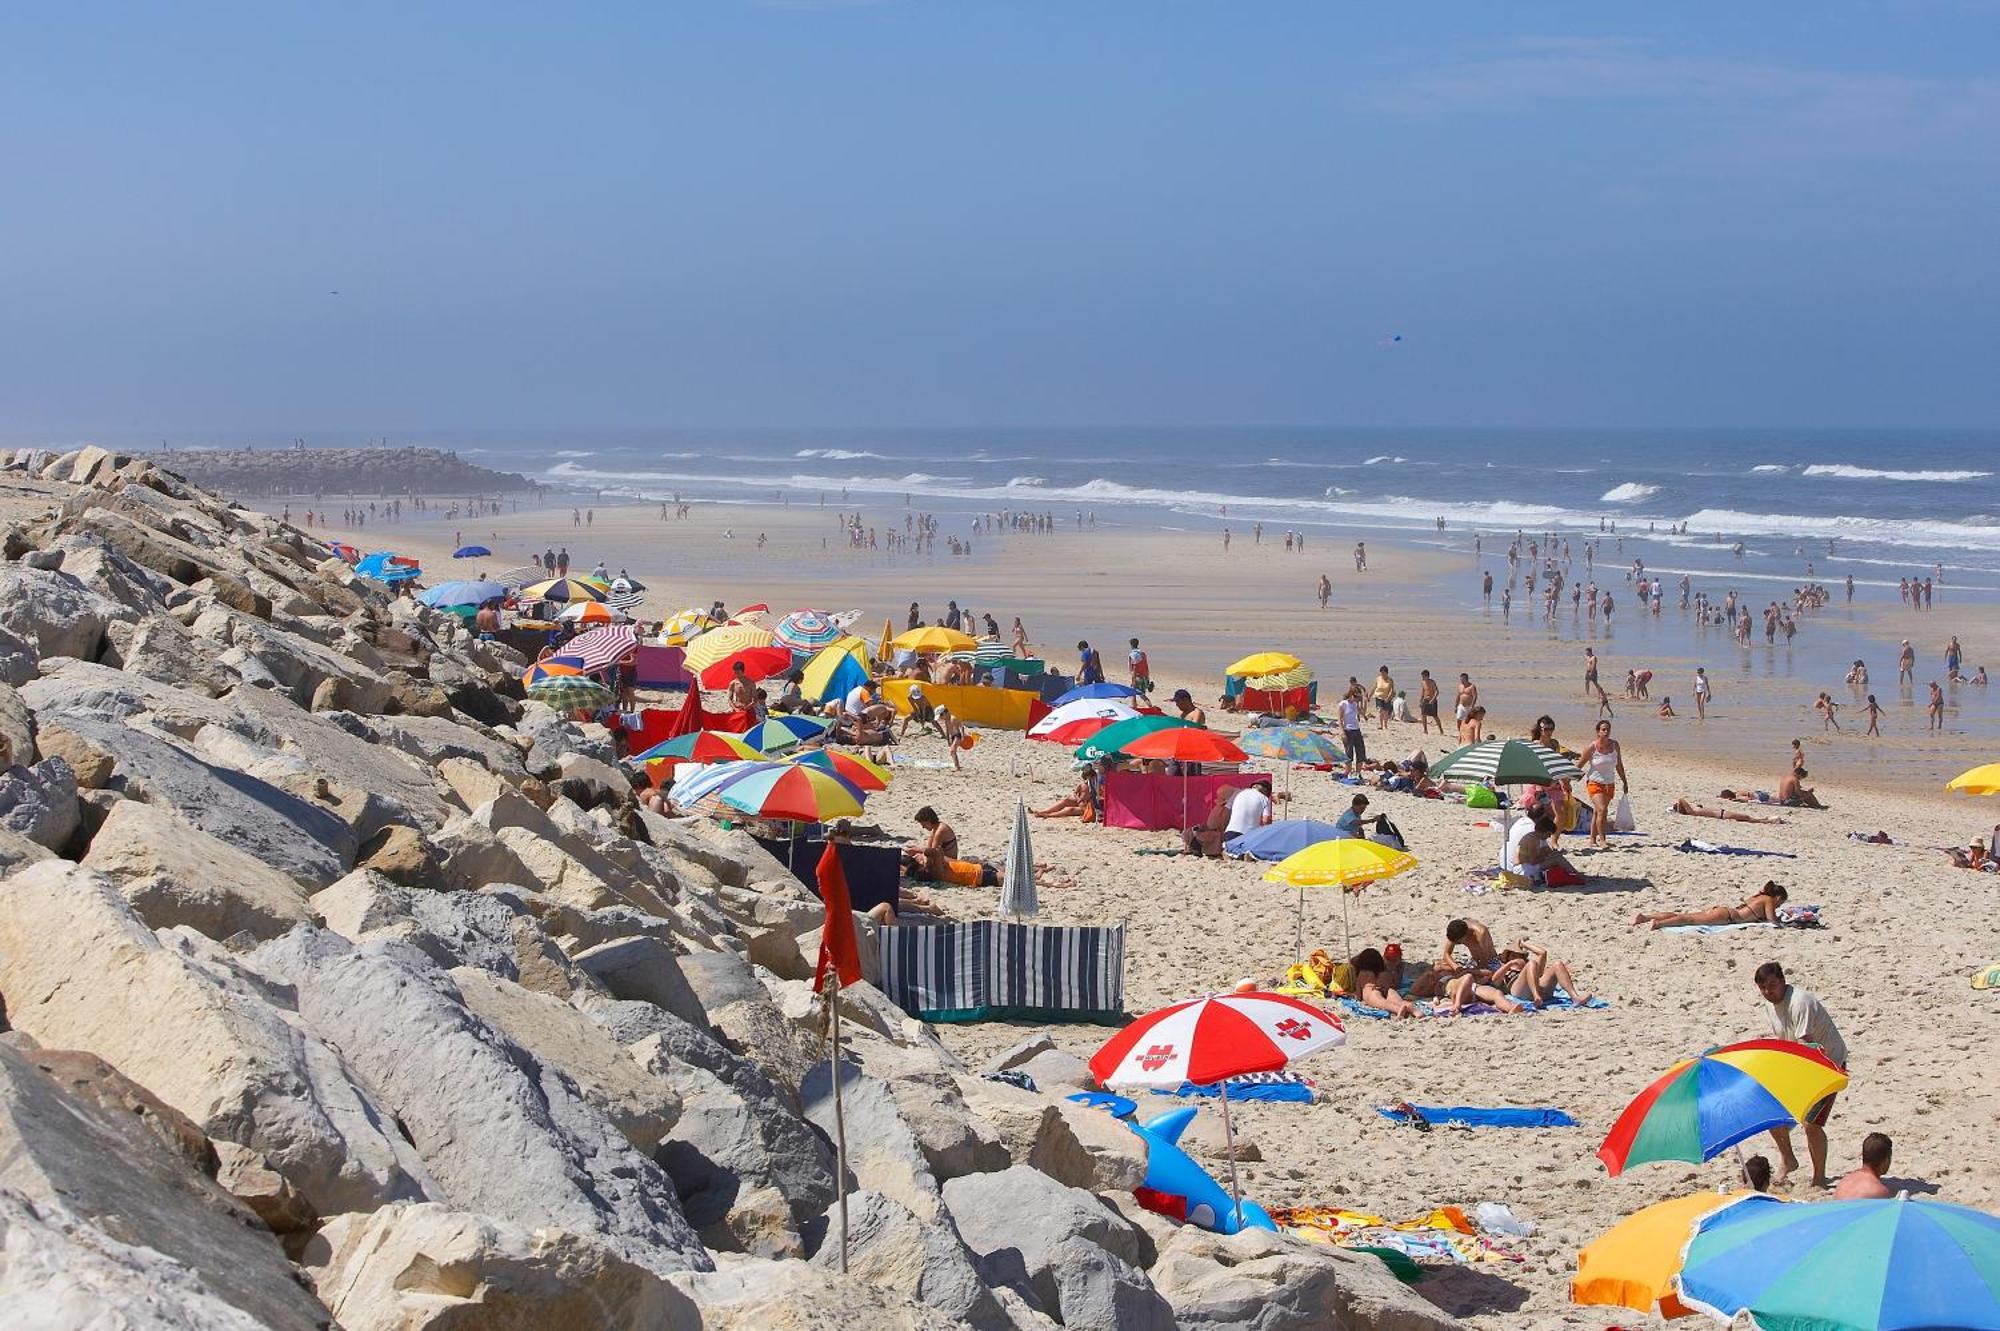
(344, 986)
(381, 473)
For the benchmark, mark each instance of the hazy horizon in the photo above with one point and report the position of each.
(827, 214)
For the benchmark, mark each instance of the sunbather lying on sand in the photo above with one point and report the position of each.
(1530, 974)
(1761, 908)
(1693, 810)
(1374, 987)
(1974, 856)
(1792, 792)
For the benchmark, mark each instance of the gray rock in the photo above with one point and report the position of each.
(54, 613)
(1088, 1149)
(644, 969)
(66, 1154)
(1268, 1282)
(1071, 1255)
(39, 802)
(892, 1250)
(1058, 1072)
(469, 1096)
(174, 873)
(1017, 1054)
(883, 1151)
(756, 1294)
(17, 729)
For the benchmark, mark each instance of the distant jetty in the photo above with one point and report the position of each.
(378, 472)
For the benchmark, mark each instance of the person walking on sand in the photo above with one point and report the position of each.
(1799, 1016)
(1604, 773)
(1385, 697)
(1427, 702)
(1701, 693)
(1935, 709)
(1874, 717)
(1225, 540)
(1906, 665)
(1325, 590)
(1591, 684)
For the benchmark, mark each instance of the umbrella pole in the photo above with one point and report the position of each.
(1346, 941)
(1229, 1136)
(839, 1115)
(1299, 929)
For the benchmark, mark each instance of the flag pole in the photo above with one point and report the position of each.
(839, 1114)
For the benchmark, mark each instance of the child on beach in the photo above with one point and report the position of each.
(1874, 717)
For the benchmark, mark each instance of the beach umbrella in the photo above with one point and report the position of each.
(759, 663)
(590, 612)
(1187, 744)
(1702, 1106)
(1506, 762)
(1110, 741)
(1210, 1039)
(448, 594)
(852, 768)
(1979, 781)
(1288, 744)
(1282, 682)
(520, 577)
(472, 552)
(1101, 689)
(550, 666)
(703, 746)
(1349, 863)
(684, 627)
(836, 669)
(344, 552)
(1017, 885)
(564, 589)
(934, 638)
(1883, 1264)
(602, 647)
(746, 613)
(781, 731)
(1074, 722)
(569, 693)
(787, 790)
(805, 631)
(1263, 663)
(717, 643)
(625, 582)
(1275, 841)
(386, 567)
(1633, 1264)
(697, 787)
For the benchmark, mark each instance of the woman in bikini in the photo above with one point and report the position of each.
(1372, 988)
(1761, 908)
(1604, 772)
(1684, 805)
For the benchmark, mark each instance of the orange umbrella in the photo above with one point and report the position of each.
(1189, 744)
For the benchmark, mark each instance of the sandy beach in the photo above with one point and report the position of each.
(1903, 930)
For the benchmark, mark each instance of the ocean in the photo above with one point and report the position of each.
(1878, 505)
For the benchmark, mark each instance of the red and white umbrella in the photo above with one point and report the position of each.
(1074, 722)
(1208, 1040)
(602, 646)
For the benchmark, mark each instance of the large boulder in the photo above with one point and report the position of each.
(39, 802)
(1073, 1256)
(74, 1159)
(174, 873)
(758, 1294)
(425, 1267)
(1270, 1282)
(892, 1250)
(76, 965)
(162, 649)
(883, 1150)
(54, 613)
(17, 729)
(646, 970)
(468, 1096)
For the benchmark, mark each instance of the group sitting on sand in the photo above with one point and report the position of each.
(1471, 969)
(1792, 793)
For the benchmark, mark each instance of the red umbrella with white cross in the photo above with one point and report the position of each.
(1210, 1039)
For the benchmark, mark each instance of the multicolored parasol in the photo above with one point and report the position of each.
(1704, 1105)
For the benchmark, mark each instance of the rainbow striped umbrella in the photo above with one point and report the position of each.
(850, 767)
(805, 631)
(787, 790)
(781, 731)
(700, 746)
(590, 612)
(551, 666)
(1704, 1105)
(1876, 1265)
(564, 589)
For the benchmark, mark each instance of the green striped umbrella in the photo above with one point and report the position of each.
(1506, 762)
(567, 693)
(1112, 739)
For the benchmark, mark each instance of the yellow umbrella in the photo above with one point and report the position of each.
(933, 638)
(1346, 862)
(1979, 781)
(1264, 663)
(1633, 1264)
(715, 644)
(1282, 682)
(685, 627)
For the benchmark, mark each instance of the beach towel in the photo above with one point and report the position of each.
(1270, 1087)
(1713, 928)
(997, 970)
(1987, 977)
(1465, 1116)
(1558, 1001)
(1696, 846)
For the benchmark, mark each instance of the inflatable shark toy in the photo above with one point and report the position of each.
(1179, 1188)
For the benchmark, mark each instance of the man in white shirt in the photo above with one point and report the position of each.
(1250, 810)
(1799, 1016)
(1350, 733)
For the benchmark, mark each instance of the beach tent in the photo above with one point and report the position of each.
(834, 670)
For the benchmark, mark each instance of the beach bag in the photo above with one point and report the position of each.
(1388, 834)
(1558, 876)
(1481, 797)
(1623, 821)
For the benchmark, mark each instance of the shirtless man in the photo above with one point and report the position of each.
(926, 858)
(1464, 983)
(1325, 590)
(1934, 710)
(1205, 838)
(1468, 697)
(1793, 792)
(1427, 702)
(742, 694)
(1760, 908)
(1866, 1182)
(1193, 715)
(1906, 664)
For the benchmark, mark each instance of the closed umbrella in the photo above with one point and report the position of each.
(1017, 886)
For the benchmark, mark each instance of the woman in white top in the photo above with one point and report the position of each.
(1603, 773)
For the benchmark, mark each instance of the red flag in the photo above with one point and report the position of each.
(837, 946)
(690, 717)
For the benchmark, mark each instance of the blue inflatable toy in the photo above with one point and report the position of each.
(1175, 1185)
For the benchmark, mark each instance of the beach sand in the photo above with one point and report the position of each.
(1904, 928)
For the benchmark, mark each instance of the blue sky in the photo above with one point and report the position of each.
(953, 211)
